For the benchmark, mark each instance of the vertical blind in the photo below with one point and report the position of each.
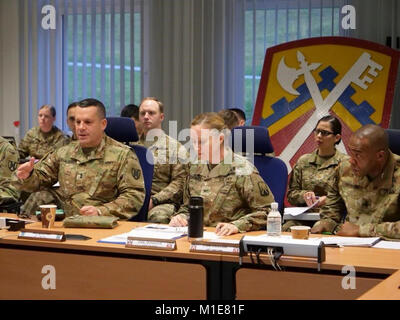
(271, 22)
(94, 51)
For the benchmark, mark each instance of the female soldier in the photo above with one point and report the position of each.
(44, 138)
(313, 174)
(236, 199)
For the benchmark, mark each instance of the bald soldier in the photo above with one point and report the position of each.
(8, 163)
(44, 138)
(368, 188)
(169, 155)
(97, 175)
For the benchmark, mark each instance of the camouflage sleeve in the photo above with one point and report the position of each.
(8, 164)
(131, 192)
(259, 197)
(331, 213)
(44, 174)
(387, 230)
(173, 192)
(295, 193)
(23, 147)
(63, 140)
(184, 209)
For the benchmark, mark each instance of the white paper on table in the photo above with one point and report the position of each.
(156, 231)
(387, 245)
(350, 241)
(295, 211)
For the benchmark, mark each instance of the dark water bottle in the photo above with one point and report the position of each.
(195, 227)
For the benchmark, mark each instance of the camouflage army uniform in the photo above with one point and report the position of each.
(311, 173)
(37, 143)
(8, 163)
(233, 193)
(168, 177)
(107, 177)
(48, 196)
(373, 205)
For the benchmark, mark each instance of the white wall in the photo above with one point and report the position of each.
(9, 66)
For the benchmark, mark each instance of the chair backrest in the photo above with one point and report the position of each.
(123, 130)
(11, 140)
(146, 162)
(394, 140)
(272, 170)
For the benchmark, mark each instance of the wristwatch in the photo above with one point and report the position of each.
(155, 201)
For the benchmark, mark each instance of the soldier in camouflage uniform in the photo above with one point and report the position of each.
(368, 188)
(169, 156)
(97, 175)
(51, 195)
(235, 197)
(313, 175)
(44, 138)
(8, 163)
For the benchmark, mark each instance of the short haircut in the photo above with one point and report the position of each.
(376, 136)
(230, 118)
(211, 120)
(160, 104)
(335, 124)
(90, 102)
(130, 111)
(72, 105)
(240, 113)
(51, 108)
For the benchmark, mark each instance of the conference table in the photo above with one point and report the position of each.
(92, 270)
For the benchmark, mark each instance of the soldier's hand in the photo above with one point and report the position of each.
(89, 211)
(320, 227)
(349, 229)
(322, 201)
(310, 198)
(178, 221)
(226, 229)
(24, 170)
(150, 205)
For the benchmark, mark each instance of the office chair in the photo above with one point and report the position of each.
(394, 140)
(123, 130)
(11, 140)
(272, 170)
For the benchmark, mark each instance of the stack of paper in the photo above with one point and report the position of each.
(151, 231)
(350, 241)
(300, 213)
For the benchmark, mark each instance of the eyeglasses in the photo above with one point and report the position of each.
(323, 133)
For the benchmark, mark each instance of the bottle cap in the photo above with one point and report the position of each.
(274, 205)
(196, 201)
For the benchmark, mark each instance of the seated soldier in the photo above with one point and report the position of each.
(236, 198)
(8, 163)
(44, 138)
(368, 188)
(169, 170)
(313, 174)
(132, 111)
(97, 175)
(51, 195)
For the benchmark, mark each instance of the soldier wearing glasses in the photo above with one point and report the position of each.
(313, 175)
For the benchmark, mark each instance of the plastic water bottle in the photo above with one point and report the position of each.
(274, 221)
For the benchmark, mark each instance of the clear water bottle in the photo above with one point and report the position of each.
(274, 221)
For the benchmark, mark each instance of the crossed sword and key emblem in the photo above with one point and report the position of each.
(286, 77)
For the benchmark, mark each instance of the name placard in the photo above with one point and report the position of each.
(161, 244)
(38, 234)
(227, 247)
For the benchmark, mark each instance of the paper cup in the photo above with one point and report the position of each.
(48, 215)
(300, 232)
